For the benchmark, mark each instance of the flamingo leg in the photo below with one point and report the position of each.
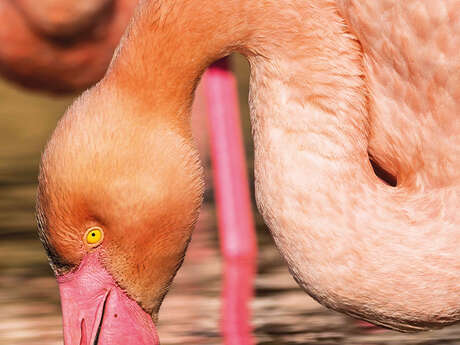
(235, 221)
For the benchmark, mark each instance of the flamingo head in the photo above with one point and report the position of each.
(119, 191)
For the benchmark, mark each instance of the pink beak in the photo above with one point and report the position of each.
(96, 311)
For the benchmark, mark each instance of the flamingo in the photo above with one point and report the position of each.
(333, 84)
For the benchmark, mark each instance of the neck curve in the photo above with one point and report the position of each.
(177, 29)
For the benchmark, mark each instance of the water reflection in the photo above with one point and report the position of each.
(237, 293)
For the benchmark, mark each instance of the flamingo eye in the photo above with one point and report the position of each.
(94, 236)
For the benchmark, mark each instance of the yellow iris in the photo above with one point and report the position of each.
(94, 236)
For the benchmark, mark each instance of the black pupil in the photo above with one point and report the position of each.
(93, 234)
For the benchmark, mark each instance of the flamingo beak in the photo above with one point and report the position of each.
(96, 311)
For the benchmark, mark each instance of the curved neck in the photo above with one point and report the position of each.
(175, 42)
(169, 44)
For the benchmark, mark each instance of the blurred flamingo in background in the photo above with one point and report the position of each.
(236, 224)
(60, 45)
(120, 183)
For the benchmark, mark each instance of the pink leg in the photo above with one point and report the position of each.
(236, 225)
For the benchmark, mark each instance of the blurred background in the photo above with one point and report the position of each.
(29, 300)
